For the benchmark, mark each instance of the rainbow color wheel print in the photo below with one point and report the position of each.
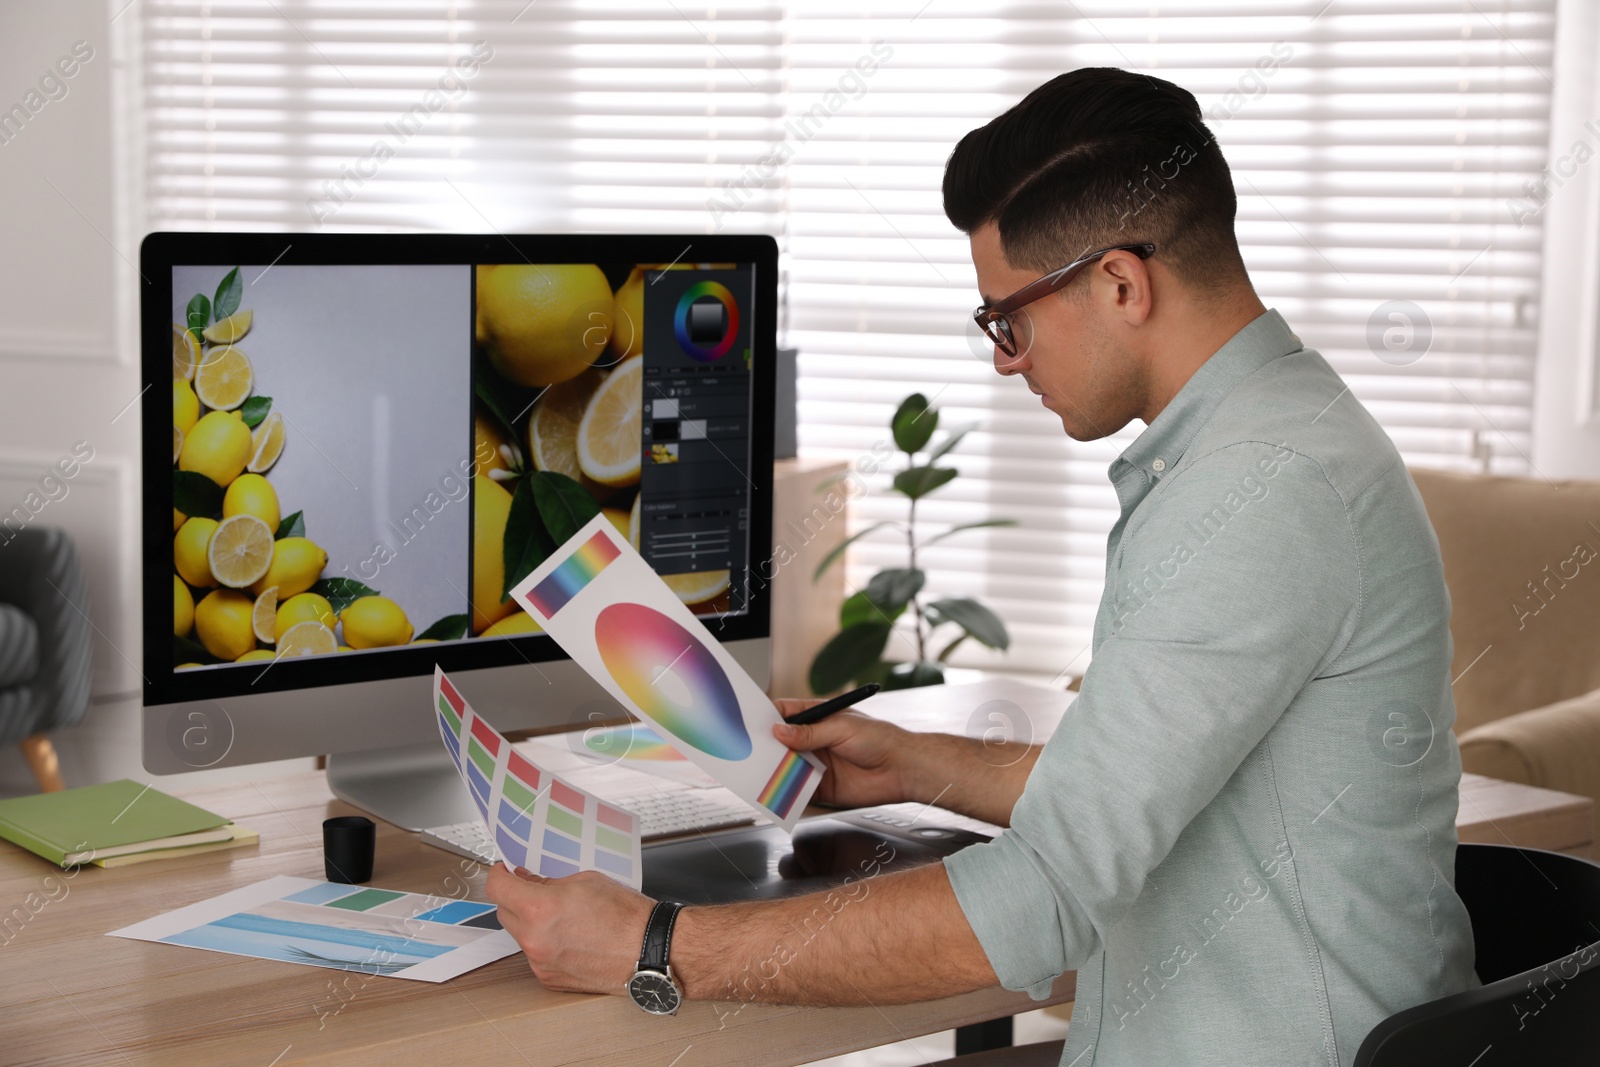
(673, 678)
(633, 741)
(680, 320)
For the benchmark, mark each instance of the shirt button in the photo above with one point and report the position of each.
(1158, 465)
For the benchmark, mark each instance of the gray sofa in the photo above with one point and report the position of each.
(44, 644)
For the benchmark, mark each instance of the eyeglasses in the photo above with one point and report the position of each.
(995, 320)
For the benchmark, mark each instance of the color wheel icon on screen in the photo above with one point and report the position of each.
(706, 321)
(672, 677)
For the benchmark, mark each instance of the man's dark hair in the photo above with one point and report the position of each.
(1099, 157)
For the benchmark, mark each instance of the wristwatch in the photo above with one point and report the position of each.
(652, 986)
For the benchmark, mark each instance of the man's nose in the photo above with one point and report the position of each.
(1008, 365)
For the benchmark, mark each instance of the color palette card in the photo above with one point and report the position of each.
(621, 623)
(539, 820)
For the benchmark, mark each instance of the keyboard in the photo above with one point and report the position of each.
(661, 812)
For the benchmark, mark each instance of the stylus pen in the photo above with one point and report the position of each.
(828, 707)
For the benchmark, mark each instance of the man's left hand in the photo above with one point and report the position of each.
(581, 933)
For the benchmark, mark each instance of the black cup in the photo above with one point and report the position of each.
(348, 842)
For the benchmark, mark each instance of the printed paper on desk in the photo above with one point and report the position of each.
(619, 621)
(537, 819)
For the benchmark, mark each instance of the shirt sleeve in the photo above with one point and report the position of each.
(1239, 581)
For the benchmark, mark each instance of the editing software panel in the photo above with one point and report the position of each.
(694, 480)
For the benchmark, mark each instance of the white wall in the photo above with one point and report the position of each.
(1566, 441)
(69, 248)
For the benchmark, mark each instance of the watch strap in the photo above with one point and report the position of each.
(658, 935)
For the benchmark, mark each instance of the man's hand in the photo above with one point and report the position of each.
(869, 761)
(581, 933)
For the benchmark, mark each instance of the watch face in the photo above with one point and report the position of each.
(654, 992)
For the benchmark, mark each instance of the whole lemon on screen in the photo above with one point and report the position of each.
(185, 405)
(490, 506)
(304, 607)
(190, 551)
(487, 440)
(182, 608)
(543, 323)
(256, 655)
(375, 622)
(251, 494)
(218, 447)
(178, 519)
(222, 622)
(296, 565)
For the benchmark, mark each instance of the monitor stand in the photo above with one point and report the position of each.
(413, 786)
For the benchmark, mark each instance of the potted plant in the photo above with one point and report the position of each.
(867, 617)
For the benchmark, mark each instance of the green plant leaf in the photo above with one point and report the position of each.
(917, 482)
(226, 301)
(851, 650)
(913, 676)
(342, 592)
(982, 624)
(857, 608)
(187, 651)
(196, 495)
(839, 549)
(564, 505)
(936, 538)
(952, 439)
(449, 628)
(480, 389)
(291, 526)
(944, 654)
(255, 409)
(526, 543)
(893, 587)
(199, 312)
(913, 423)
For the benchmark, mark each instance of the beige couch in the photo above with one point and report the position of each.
(1522, 560)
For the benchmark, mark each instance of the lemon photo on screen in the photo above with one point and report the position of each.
(562, 409)
(283, 456)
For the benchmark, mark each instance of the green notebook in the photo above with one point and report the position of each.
(98, 821)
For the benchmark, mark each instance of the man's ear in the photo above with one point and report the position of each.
(1123, 280)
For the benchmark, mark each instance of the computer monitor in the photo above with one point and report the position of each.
(373, 437)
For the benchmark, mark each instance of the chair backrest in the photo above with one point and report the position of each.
(1536, 923)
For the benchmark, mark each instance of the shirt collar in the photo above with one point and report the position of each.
(1157, 450)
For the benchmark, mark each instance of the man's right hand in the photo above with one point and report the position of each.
(869, 761)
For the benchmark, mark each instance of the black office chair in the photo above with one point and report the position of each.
(1536, 921)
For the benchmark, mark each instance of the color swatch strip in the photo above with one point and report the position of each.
(779, 794)
(575, 572)
(537, 819)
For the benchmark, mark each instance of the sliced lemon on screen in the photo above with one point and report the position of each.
(618, 519)
(307, 639)
(229, 329)
(240, 551)
(264, 616)
(185, 353)
(553, 429)
(223, 381)
(177, 443)
(608, 436)
(520, 623)
(634, 523)
(698, 587)
(266, 443)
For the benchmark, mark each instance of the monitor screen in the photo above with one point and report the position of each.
(375, 438)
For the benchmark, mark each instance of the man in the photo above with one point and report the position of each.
(1242, 836)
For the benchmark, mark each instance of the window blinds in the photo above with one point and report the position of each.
(1383, 150)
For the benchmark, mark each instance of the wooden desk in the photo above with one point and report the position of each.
(74, 996)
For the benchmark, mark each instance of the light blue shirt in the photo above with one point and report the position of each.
(1242, 835)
